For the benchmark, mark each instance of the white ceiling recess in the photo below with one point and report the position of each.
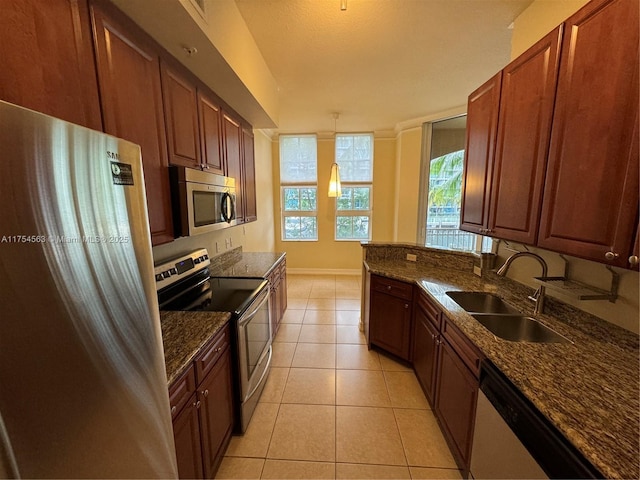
(380, 63)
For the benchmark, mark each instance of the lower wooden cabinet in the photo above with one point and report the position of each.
(457, 392)
(278, 299)
(390, 315)
(186, 434)
(216, 413)
(456, 402)
(202, 411)
(426, 337)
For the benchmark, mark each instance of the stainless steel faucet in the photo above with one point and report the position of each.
(538, 296)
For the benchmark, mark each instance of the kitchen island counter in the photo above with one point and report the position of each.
(587, 388)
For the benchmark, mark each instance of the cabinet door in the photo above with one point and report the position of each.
(186, 435)
(275, 301)
(129, 74)
(456, 397)
(210, 137)
(249, 176)
(232, 147)
(181, 117)
(590, 203)
(425, 352)
(390, 323)
(283, 287)
(47, 59)
(482, 123)
(524, 127)
(216, 413)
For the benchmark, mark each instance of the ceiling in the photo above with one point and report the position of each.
(380, 62)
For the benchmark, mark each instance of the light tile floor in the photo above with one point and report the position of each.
(331, 408)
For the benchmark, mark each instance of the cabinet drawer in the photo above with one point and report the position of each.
(462, 346)
(430, 310)
(211, 352)
(181, 390)
(391, 287)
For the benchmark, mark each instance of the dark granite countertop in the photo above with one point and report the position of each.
(184, 334)
(588, 388)
(244, 264)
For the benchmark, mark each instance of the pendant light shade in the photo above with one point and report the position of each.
(335, 189)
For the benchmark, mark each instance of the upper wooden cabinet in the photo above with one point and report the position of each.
(210, 136)
(47, 59)
(482, 122)
(181, 117)
(565, 174)
(590, 204)
(249, 176)
(129, 73)
(232, 156)
(524, 126)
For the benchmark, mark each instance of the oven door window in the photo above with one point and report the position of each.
(207, 208)
(257, 337)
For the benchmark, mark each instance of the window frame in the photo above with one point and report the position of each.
(355, 184)
(297, 185)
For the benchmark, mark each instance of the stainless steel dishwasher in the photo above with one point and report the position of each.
(512, 439)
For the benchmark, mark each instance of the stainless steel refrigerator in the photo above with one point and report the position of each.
(83, 389)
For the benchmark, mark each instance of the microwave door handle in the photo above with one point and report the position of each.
(225, 206)
(232, 203)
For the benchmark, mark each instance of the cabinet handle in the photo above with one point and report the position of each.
(406, 305)
(388, 287)
(218, 349)
(173, 410)
(205, 393)
(197, 404)
(633, 260)
(611, 255)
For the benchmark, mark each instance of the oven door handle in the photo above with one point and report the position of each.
(264, 373)
(246, 317)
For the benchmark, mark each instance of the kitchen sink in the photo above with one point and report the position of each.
(519, 328)
(480, 302)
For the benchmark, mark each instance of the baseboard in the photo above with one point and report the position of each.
(323, 271)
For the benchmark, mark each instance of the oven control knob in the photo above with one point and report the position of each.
(166, 274)
(197, 260)
(159, 277)
(205, 257)
(173, 271)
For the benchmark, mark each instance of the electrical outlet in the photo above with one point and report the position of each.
(217, 248)
(230, 242)
(226, 243)
(411, 257)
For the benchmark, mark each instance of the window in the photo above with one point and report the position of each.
(299, 187)
(444, 189)
(354, 155)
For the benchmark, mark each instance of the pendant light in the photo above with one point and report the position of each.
(335, 189)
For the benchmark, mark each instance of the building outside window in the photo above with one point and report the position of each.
(354, 155)
(299, 187)
(446, 162)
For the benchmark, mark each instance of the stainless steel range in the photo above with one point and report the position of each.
(184, 283)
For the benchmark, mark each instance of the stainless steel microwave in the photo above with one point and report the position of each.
(202, 202)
